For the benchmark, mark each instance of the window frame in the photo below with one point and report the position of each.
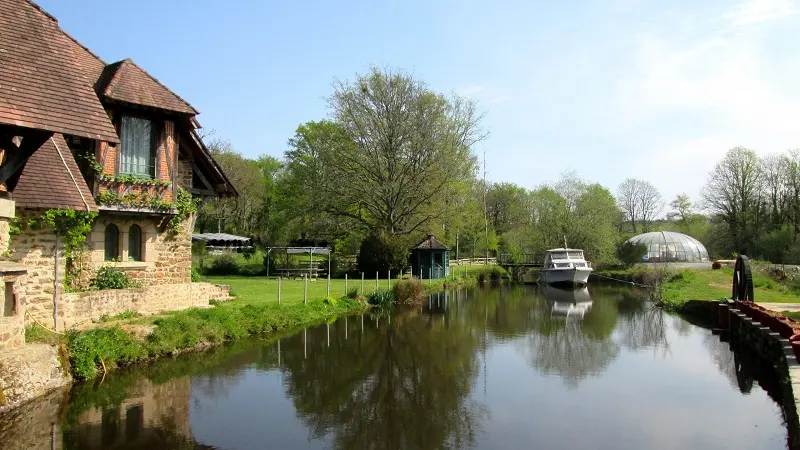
(135, 252)
(118, 247)
(155, 132)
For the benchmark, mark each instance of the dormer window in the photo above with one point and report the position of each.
(138, 142)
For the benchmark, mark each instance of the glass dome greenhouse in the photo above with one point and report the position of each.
(665, 246)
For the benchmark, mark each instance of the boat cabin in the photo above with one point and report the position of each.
(565, 257)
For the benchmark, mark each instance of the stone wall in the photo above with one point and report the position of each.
(166, 258)
(30, 372)
(35, 249)
(85, 307)
(12, 311)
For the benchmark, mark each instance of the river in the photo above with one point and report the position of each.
(488, 368)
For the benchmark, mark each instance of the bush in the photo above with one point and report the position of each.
(111, 278)
(381, 253)
(410, 291)
(352, 293)
(224, 264)
(630, 253)
(381, 297)
(494, 274)
(103, 347)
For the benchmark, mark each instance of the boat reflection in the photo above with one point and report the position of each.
(567, 302)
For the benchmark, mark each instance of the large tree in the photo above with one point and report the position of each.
(640, 201)
(734, 192)
(393, 154)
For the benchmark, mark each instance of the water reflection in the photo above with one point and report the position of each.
(426, 378)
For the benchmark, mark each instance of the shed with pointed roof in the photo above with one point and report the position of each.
(430, 259)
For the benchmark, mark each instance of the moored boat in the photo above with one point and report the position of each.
(565, 266)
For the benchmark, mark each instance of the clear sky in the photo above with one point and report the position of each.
(657, 90)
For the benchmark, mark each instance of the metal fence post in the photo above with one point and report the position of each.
(362, 284)
(376, 280)
(329, 284)
(305, 290)
(279, 290)
(389, 280)
(345, 284)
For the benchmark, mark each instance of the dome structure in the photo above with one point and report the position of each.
(663, 246)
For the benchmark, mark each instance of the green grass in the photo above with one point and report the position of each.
(262, 290)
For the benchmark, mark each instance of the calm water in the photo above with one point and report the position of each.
(510, 367)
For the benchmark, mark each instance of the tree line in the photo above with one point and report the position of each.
(394, 160)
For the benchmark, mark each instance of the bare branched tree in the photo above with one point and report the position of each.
(640, 201)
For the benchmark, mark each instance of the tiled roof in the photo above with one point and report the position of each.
(51, 179)
(42, 83)
(125, 81)
(431, 243)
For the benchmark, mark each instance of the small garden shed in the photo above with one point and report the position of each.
(430, 259)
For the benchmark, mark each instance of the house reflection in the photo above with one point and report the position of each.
(154, 416)
(565, 302)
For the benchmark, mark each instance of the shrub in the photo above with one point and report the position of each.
(381, 253)
(103, 347)
(381, 297)
(111, 278)
(494, 274)
(196, 276)
(352, 293)
(410, 291)
(630, 253)
(224, 264)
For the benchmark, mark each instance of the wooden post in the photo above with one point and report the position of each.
(305, 290)
(279, 289)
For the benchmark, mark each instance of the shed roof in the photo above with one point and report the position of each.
(219, 237)
(43, 84)
(51, 179)
(431, 243)
(127, 82)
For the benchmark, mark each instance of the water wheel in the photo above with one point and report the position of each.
(742, 280)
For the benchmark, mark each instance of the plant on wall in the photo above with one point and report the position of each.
(185, 205)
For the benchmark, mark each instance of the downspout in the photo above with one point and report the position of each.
(56, 290)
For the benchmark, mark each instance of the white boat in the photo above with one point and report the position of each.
(565, 266)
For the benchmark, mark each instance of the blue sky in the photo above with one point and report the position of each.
(611, 89)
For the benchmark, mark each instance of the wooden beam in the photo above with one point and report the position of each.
(18, 156)
(201, 176)
(201, 191)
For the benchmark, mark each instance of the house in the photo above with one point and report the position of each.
(79, 133)
(430, 259)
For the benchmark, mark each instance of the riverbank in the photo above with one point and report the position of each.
(125, 339)
(683, 285)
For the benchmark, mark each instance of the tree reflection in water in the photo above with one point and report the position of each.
(403, 382)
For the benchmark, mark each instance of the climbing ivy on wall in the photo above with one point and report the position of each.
(71, 227)
(185, 204)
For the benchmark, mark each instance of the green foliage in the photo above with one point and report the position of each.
(91, 161)
(381, 252)
(352, 293)
(196, 275)
(381, 298)
(37, 333)
(410, 291)
(494, 274)
(134, 200)
(135, 180)
(121, 316)
(630, 253)
(329, 300)
(70, 225)
(185, 205)
(224, 264)
(108, 277)
(90, 350)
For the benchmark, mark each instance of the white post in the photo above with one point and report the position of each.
(362, 284)
(389, 280)
(328, 326)
(329, 283)
(345, 328)
(376, 280)
(279, 289)
(345, 284)
(305, 290)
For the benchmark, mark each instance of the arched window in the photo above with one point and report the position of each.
(135, 243)
(112, 242)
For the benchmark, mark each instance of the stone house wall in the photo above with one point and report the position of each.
(85, 307)
(166, 258)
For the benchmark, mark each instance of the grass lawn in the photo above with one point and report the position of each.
(262, 290)
(715, 284)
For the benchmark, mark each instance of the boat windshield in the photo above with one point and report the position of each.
(575, 255)
(558, 255)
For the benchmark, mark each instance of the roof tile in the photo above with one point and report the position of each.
(127, 82)
(45, 81)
